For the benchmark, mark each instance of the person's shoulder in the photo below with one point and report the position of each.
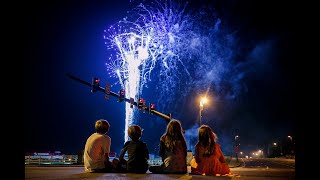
(105, 136)
(163, 137)
(92, 135)
(197, 144)
(95, 136)
(101, 138)
(127, 143)
(144, 143)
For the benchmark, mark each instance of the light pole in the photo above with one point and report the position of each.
(291, 148)
(202, 101)
(236, 146)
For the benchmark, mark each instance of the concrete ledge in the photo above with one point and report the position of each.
(56, 173)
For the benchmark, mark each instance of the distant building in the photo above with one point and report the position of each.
(112, 155)
(50, 158)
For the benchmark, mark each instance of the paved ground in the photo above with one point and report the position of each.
(54, 173)
(77, 172)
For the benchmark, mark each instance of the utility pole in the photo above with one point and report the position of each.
(236, 146)
(235, 133)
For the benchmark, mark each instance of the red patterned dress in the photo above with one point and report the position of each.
(212, 165)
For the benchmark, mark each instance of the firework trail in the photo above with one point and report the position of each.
(157, 37)
(180, 49)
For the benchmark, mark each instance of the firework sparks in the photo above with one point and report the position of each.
(158, 36)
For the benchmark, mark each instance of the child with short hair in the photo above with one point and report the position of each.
(138, 153)
(97, 149)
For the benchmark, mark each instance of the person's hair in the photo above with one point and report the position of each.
(173, 134)
(207, 138)
(134, 132)
(102, 126)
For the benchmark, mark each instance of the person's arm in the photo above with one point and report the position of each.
(123, 151)
(106, 147)
(196, 150)
(107, 161)
(184, 146)
(221, 158)
(146, 152)
(162, 148)
(185, 149)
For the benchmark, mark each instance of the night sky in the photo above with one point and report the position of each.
(253, 95)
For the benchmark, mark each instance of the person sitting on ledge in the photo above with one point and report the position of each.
(209, 159)
(97, 149)
(138, 153)
(173, 150)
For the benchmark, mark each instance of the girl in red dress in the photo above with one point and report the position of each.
(208, 155)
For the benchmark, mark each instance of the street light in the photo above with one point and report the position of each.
(202, 102)
(236, 146)
(291, 145)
